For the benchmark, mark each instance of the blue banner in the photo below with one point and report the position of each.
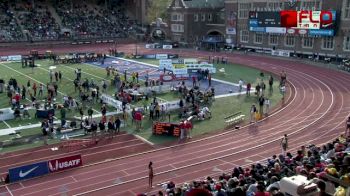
(253, 23)
(321, 32)
(28, 171)
(258, 29)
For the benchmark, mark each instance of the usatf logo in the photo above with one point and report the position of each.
(65, 163)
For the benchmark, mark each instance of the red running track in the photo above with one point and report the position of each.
(315, 113)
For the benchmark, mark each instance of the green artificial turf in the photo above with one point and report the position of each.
(220, 108)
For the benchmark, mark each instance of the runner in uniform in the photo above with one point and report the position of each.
(284, 144)
(150, 174)
(283, 78)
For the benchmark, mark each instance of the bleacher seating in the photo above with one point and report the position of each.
(9, 29)
(84, 21)
(21, 21)
(40, 24)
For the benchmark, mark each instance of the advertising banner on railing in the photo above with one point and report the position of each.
(14, 58)
(64, 163)
(28, 171)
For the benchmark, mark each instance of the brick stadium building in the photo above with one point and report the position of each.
(216, 21)
(197, 21)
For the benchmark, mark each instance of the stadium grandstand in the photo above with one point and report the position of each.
(175, 97)
(62, 20)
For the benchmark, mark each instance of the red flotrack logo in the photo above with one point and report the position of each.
(307, 19)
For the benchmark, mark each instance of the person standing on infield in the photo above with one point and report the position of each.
(150, 174)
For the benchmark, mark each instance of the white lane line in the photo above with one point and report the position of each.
(75, 180)
(22, 185)
(87, 72)
(144, 140)
(7, 188)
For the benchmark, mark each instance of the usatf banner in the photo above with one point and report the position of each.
(64, 163)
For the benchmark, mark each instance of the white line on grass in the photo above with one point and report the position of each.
(6, 124)
(69, 80)
(87, 73)
(28, 77)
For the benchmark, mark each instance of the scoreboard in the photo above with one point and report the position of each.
(165, 128)
(264, 19)
(310, 22)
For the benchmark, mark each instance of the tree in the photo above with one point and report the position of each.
(157, 9)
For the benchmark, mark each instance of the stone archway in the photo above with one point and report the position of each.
(213, 40)
(215, 32)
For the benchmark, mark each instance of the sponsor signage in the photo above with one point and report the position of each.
(3, 58)
(28, 171)
(161, 56)
(167, 77)
(291, 31)
(308, 19)
(321, 32)
(64, 163)
(178, 61)
(14, 58)
(302, 31)
(180, 71)
(253, 23)
(150, 46)
(173, 56)
(190, 61)
(165, 63)
(149, 56)
(280, 30)
(231, 31)
(282, 53)
(179, 66)
(257, 29)
(304, 22)
(167, 47)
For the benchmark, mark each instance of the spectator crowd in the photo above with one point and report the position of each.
(23, 21)
(327, 167)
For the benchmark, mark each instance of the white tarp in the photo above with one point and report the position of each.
(172, 105)
(6, 114)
